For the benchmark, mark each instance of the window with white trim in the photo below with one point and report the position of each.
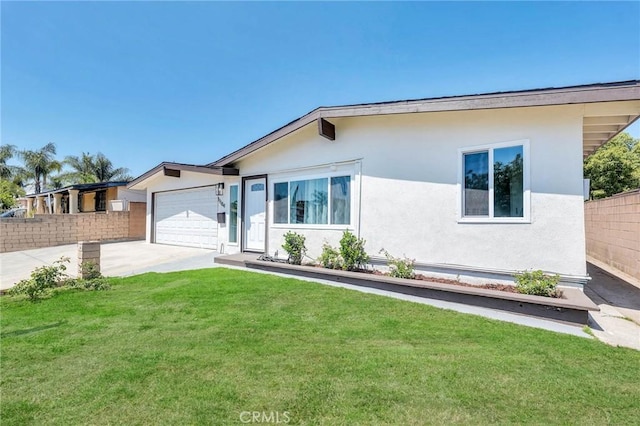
(494, 182)
(320, 201)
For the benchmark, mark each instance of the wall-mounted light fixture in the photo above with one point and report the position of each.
(220, 189)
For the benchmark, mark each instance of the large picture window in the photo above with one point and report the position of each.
(321, 201)
(494, 182)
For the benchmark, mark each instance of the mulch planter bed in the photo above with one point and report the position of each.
(491, 286)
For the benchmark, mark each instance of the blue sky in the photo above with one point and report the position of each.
(145, 82)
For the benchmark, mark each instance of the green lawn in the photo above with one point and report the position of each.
(201, 347)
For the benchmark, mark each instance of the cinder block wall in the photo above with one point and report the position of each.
(613, 231)
(54, 230)
(137, 220)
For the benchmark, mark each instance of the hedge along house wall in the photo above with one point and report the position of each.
(58, 229)
(612, 227)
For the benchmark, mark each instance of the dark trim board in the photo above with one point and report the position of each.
(171, 172)
(326, 129)
(175, 168)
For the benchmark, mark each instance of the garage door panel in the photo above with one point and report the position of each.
(187, 218)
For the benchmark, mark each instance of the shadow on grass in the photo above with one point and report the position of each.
(32, 330)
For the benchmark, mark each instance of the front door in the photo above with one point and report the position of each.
(255, 199)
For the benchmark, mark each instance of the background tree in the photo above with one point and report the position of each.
(614, 167)
(106, 172)
(9, 192)
(10, 178)
(57, 182)
(89, 168)
(83, 169)
(6, 152)
(40, 163)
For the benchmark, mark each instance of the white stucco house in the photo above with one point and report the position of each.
(475, 186)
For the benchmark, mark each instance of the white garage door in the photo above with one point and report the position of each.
(187, 218)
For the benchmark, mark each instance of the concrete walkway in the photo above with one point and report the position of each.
(117, 259)
(618, 322)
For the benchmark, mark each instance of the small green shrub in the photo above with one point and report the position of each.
(537, 283)
(50, 280)
(92, 278)
(400, 268)
(330, 257)
(42, 280)
(90, 270)
(94, 284)
(352, 251)
(294, 246)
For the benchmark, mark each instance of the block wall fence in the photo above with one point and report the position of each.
(612, 227)
(50, 230)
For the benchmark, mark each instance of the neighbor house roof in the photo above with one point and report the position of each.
(173, 169)
(598, 130)
(83, 187)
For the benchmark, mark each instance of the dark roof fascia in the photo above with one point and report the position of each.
(591, 93)
(82, 187)
(214, 170)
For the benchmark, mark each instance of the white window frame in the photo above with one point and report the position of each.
(294, 178)
(526, 187)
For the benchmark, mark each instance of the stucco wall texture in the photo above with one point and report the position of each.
(405, 190)
(406, 193)
(613, 231)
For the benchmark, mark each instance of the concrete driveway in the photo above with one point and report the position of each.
(117, 259)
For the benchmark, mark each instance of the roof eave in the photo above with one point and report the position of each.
(214, 170)
(81, 187)
(605, 92)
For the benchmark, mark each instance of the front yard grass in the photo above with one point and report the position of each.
(201, 347)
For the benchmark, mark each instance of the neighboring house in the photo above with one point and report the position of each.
(477, 186)
(85, 197)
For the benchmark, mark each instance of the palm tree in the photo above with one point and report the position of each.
(40, 163)
(105, 172)
(83, 169)
(6, 152)
(58, 181)
(90, 169)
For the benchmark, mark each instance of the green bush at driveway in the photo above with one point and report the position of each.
(202, 347)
